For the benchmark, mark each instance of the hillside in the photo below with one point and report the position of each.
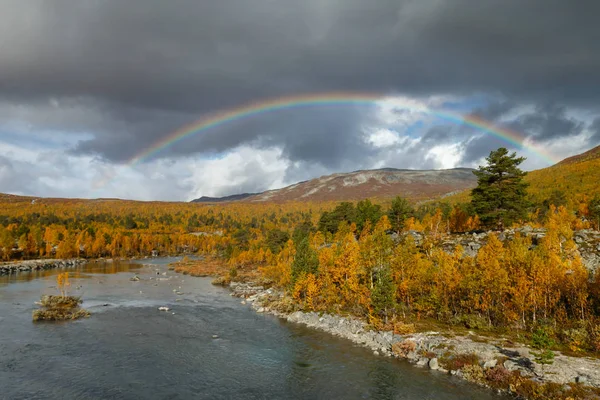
(380, 183)
(578, 177)
(589, 155)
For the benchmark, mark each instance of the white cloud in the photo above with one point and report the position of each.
(240, 170)
(446, 156)
(383, 138)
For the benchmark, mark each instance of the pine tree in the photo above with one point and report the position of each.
(367, 211)
(594, 211)
(500, 196)
(399, 212)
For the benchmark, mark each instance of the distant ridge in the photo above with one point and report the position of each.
(233, 197)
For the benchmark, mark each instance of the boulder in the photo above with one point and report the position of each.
(423, 361)
(433, 364)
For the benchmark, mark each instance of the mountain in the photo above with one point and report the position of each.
(233, 197)
(379, 183)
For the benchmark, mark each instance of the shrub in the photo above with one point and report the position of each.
(60, 314)
(594, 337)
(404, 329)
(498, 376)
(575, 338)
(59, 308)
(545, 357)
(60, 301)
(473, 373)
(459, 361)
(403, 348)
(285, 305)
(221, 281)
(474, 321)
(541, 338)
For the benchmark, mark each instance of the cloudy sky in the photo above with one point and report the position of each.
(88, 85)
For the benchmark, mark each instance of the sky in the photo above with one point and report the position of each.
(87, 86)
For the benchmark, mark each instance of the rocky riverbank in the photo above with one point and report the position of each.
(36, 265)
(434, 350)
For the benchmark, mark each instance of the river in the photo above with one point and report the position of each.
(128, 349)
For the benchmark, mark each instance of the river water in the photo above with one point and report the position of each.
(128, 349)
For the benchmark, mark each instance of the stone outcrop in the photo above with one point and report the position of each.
(36, 265)
(587, 241)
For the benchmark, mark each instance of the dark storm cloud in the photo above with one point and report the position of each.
(438, 134)
(548, 121)
(481, 146)
(145, 67)
(595, 128)
(494, 110)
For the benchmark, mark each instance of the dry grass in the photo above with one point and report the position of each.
(67, 302)
(206, 267)
(60, 314)
(59, 308)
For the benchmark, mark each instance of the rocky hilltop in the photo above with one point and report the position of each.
(379, 183)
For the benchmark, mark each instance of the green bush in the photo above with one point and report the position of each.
(576, 338)
(474, 321)
(545, 357)
(542, 338)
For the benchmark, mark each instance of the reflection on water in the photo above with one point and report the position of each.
(79, 271)
(129, 350)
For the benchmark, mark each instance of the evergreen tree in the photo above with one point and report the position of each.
(594, 211)
(383, 293)
(367, 211)
(557, 198)
(330, 221)
(500, 196)
(399, 212)
(306, 260)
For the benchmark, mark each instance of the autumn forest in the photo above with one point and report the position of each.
(378, 259)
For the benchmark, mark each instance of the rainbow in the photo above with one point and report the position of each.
(333, 99)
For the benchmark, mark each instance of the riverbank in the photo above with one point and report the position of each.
(497, 362)
(36, 265)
